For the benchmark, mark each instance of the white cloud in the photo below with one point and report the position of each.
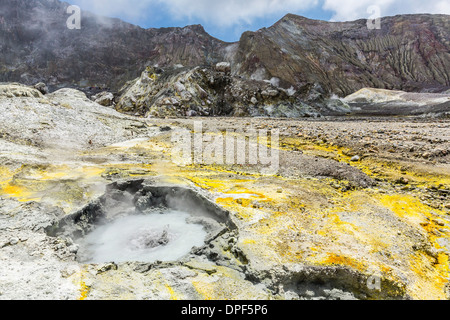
(131, 9)
(232, 12)
(237, 12)
(348, 10)
(217, 12)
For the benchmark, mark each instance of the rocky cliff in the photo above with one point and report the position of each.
(410, 52)
(214, 91)
(207, 91)
(36, 45)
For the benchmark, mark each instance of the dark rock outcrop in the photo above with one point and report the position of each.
(36, 45)
(410, 53)
(207, 91)
(315, 58)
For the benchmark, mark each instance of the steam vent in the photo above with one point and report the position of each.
(120, 219)
(309, 160)
(138, 222)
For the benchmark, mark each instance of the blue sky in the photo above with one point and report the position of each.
(227, 20)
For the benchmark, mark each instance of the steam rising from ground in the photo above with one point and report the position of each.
(143, 238)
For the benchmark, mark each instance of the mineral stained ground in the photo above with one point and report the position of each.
(355, 203)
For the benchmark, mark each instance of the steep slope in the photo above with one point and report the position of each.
(410, 52)
(36, 45)
(380, 102)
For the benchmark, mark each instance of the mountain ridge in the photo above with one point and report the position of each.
(409, 52)
(313, 50)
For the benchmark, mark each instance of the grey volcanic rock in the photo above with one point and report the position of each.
(12, 90)
(61, 152)
(63, 120)
(315, 58)
(370, 95)
(410, 52)
(104, 98)
(36, 46)
(207, 92)
(376, 102)
(42, 87)
(223, 67)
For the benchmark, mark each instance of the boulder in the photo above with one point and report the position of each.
(12, 90)
(104, 98)
(223, 67)
(271, 93)
(191, 113)
(41, 87)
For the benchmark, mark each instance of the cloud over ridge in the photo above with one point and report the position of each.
(234, 12)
